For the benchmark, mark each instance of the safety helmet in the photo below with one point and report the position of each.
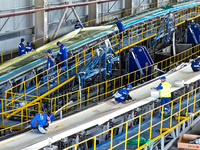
(28, 43)
(163, 78)
(116, 19)
(48, 51)
(198, 58)
(58, 43)
(77, 21)
(129, 86)
(22, 39)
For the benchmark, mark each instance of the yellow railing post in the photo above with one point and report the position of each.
(126, 136)
(195, 93)
(139, 128)
(57, 74)
(161, 122)
(36, 80)
(47, 79)
(188, 97)
(95, 142)
(179, 114)
(151, 122)
(2, 108)
(111, 139)
(171, 116)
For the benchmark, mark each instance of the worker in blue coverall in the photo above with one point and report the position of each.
(62, 53)
(50, 63)
(78, 25)
(196, 64)
(165, 93)
(41, 121)
(122, 95)
(29, 48)
(22, 49)
(120, 27)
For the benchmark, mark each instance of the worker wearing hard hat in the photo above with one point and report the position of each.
(78, 25)
(120, 27)
(122, 95)
(165, 93)
(29, 48)
(41, 121)
(196, 64)
(22, 49)
(62, 53)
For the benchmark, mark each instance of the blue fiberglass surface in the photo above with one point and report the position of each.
(12, 73)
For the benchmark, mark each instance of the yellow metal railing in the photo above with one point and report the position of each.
(133, 39)
(25, 95)
(114, 84)
(23, 115)
(95, 22)
(177, 107)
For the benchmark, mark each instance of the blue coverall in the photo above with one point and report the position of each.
(50, 63)
(78, 26)
(120, 27)
(195, 65)
(63, 54)
(40, 121)
(164, 100)
(22, 49)
(121, 95)
(29, 48)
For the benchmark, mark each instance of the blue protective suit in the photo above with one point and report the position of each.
(40, 120)
(63, 54)
(50, 63)
(120, 27)
(22, 49)
(78, 26)
(121, 95)
(195, 65)
(29, 48)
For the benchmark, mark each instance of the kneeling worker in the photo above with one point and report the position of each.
(196, 64)
(42, 121)
(123, 94)
(165, 93)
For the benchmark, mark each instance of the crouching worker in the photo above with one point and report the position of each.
(196, 65)
(41, 121)
(122, 95)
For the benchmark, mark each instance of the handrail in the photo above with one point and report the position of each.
(160, 123)
(130, 31)
(138, 80)
(93, 22)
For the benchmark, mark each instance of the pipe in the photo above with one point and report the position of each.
(52, 8)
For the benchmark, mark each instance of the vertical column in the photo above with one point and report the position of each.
(154, 3)
(93, 13)
(41, 28)
(128, 6)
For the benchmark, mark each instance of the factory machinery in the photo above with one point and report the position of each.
(95, 71)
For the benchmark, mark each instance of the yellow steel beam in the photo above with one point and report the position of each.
(40, 97)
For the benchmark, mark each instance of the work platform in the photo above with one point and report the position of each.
(91, 117)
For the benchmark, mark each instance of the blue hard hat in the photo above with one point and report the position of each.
(163, 78)
(22, 39)
(48, 51)
(129, 86)
(58, 43)
(77, 21)
(28, 43)
(116, 19)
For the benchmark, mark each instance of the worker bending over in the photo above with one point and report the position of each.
(165, 93)
(78, 25)
(41, 121)
(62, 53)
(122, 95)
(196, 64)
(29, 48)
(22, 49)
(120, 27)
